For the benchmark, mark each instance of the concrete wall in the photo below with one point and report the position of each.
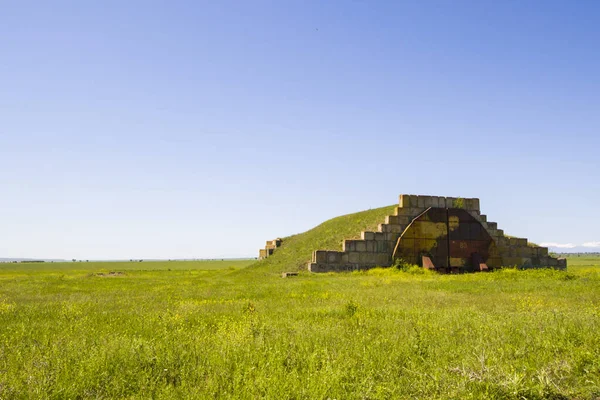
(376, 248)
(269, 248)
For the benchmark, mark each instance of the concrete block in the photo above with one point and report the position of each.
(392, 228)
(518, 251)
(317, 267)
(503, 242)
(494, 251)
(542, 251)
(383, 246)
(407, 200)
(409, 212)
(472, 204)
(501, 250)
(513, 241)
(349, 245)
(396, 228)
(521, 242)
(404, 211)
(562, 263)
(392, 237)
(391, 219)
(353, 257)
(468, 204)
(483, 217)
(421, 202)
(492, 225)
(403, 220)
(320, 256)
(441, 202)
(500, 232)
(379, 236)
(450, 202)
(371, 246)
(345, 258)
(334, 257)
(368, 258)
(427, 201)
(404, 200)
(526, 251)
(526, 262)
(361, 245)
(367, 235)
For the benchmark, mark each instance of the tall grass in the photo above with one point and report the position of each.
(384, 333)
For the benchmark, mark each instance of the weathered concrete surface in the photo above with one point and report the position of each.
(450, 232)
(269, 248)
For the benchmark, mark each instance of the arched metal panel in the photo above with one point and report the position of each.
(451, 237)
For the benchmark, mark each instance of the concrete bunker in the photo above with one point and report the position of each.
(443, 233)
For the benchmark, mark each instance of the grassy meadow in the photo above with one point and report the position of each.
(219, 330)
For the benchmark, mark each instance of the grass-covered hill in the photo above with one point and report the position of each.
(296, 250)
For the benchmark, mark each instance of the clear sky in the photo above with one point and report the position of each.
(174, 129)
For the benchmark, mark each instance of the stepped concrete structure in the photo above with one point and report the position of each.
(445, 234)
(269, 248)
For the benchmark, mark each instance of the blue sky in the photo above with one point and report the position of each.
(145, 129)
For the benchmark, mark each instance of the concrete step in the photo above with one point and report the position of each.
(361, 246)
(397, 220)
(391, 228)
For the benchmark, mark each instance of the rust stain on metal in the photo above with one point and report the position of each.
(448, 238)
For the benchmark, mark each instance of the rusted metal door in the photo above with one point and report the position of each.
(451, 237)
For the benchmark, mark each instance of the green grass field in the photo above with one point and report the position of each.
(121, 266)
(236, 329)
(213, 329)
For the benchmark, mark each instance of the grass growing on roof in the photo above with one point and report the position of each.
(296, 250)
